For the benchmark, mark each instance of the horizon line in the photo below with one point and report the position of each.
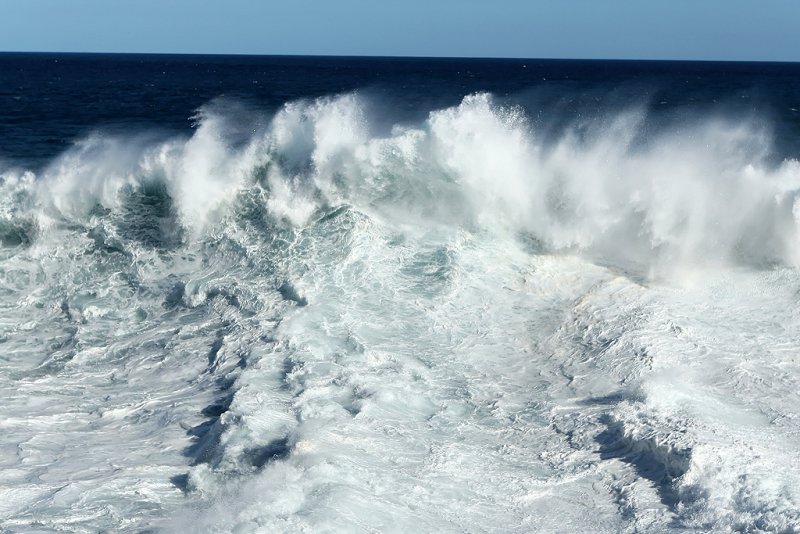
(400, 57)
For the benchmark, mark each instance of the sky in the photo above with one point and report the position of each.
(766, 30)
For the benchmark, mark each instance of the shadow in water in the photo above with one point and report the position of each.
(657, 462)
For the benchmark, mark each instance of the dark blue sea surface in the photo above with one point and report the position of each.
(49, 100)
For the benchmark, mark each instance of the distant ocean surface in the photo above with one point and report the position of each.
(318, 294)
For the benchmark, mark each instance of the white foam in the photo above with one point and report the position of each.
(458, 325)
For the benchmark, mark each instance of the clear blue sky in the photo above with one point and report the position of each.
(646, 29)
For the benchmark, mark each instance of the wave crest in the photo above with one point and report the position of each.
(706, 193)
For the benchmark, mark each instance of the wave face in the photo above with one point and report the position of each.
(324, 319)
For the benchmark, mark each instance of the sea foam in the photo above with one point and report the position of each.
(462, 323)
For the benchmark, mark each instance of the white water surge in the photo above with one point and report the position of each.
(458, 326)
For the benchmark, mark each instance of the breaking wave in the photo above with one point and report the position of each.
(458, 324)
(709, 192)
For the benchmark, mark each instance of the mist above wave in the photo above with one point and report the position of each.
(702, 192)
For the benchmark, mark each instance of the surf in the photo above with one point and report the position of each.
(452, 322)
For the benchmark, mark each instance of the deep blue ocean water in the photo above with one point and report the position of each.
(49, 100)
(319, 294)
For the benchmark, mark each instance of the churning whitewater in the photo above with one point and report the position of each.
(335, 322)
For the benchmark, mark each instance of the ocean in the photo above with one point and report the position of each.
(321, 294)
